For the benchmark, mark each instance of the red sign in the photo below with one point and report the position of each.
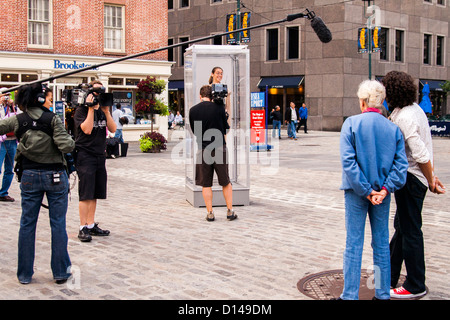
(257, 126)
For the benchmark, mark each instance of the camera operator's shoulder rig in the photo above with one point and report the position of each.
(77, 97)
(219, 93)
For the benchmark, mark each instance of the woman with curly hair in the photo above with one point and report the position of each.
(43, 142)
(407, 243)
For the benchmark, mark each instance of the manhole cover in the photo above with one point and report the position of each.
(329, 284)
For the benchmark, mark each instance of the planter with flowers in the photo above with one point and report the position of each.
(152, 142)
(147, 103)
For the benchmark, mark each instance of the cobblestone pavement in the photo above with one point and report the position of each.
(161, 247)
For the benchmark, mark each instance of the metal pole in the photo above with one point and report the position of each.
(238, 21)
(290, 17)
(369, 34)
(369, 29)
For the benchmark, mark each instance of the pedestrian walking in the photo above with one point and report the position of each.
(291, 117)
(209, 118)
(374, 165)
(43, 140)
(275, 114)
(407, 244)
(303, 114)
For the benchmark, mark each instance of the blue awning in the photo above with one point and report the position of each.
(435, 85)
(281, 82)
(176, 85)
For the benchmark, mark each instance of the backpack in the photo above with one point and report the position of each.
(44, 124)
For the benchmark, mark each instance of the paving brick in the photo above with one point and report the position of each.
(161, 248)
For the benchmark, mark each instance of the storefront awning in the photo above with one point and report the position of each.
(435, 85)
(176, 85)
(281, 82)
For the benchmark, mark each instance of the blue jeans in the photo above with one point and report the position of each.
(356, 209)
(291, 129)
(119, 135)
(7, 152)
(276, 124)
(34, 184)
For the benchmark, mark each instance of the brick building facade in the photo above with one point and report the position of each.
(43, 38)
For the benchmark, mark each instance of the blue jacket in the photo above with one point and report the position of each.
(303, 112)
(372, 154)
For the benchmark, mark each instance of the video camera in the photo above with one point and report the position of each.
(219, 93)
(77, 97)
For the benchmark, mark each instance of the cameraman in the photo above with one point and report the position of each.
(208, 122)
(91, 122)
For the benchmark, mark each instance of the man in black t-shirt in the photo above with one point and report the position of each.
(90, 143)
(208, 122)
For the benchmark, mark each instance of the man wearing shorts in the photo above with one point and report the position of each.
(90, 143)
(208, 122)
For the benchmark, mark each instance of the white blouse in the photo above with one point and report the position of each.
(413, 123)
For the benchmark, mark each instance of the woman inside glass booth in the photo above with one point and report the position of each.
(216, 78)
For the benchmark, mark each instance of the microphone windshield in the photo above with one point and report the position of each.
(321, 29)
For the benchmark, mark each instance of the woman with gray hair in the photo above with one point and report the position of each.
(374, 165)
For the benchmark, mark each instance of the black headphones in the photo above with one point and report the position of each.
(41, 96)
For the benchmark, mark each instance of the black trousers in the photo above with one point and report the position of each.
(407, 242)
(300, 123)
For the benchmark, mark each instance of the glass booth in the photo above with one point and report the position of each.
(199, 60)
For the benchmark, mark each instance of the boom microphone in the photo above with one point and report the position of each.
(321, 29)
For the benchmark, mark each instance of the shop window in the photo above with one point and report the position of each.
(39, 23)
(10, 77)
(28, 77)
(114, 28)
(115, 81)
(132, 82)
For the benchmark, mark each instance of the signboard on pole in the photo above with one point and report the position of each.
(363, 40)
(59, 110)
(257, 118)
(232, 25)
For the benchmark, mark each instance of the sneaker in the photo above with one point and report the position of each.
(96, 231)
(210, 216)
(402, 293)
(84, 235)
(231, 215)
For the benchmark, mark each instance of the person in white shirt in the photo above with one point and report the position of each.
(178, 118)
(290, 118)
(116, 115)
(407, 242)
